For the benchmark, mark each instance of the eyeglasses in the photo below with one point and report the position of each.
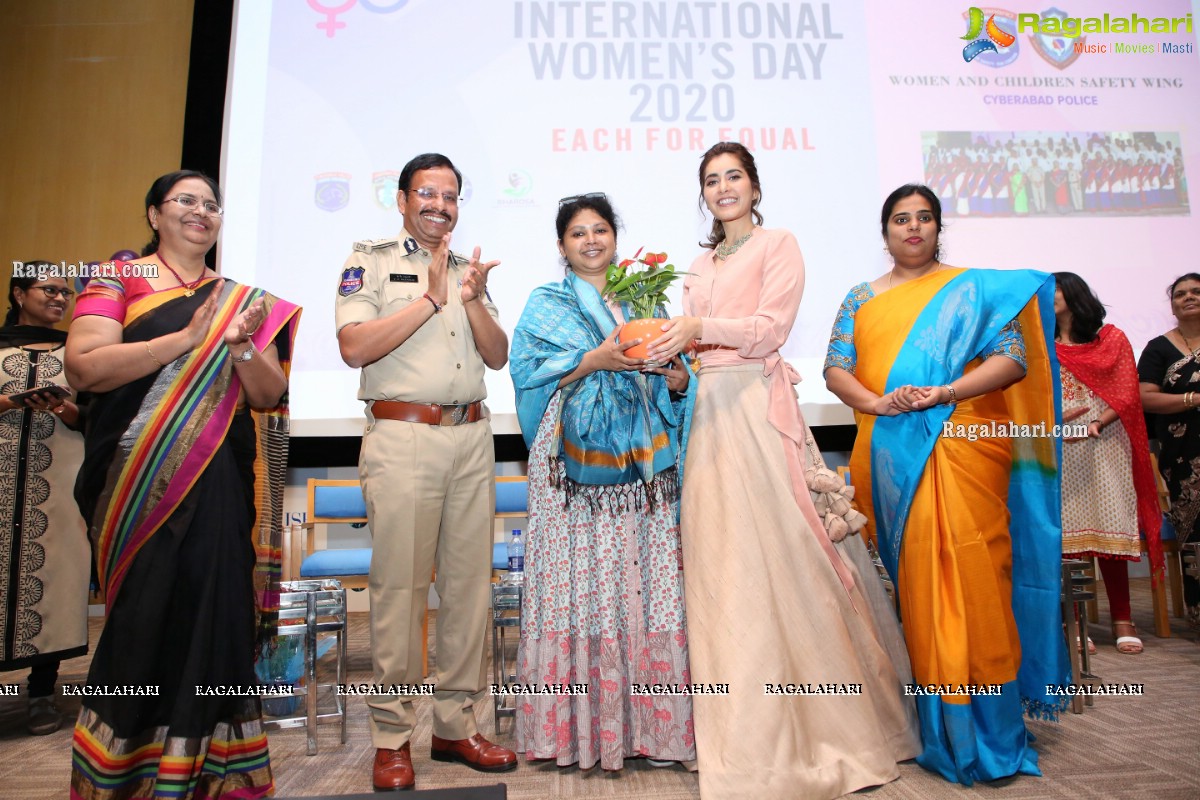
(53, 292)
(577, 197)
(192, 203)
(429, 193)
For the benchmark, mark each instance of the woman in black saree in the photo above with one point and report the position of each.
(181, 486)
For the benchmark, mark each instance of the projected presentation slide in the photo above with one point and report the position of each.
(1045, 155)
(1014, 174)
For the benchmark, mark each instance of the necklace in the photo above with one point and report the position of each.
(935, 269)
(1186, 343)
(724, 250)
(189, 288)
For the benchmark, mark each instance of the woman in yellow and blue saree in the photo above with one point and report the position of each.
(956, 394)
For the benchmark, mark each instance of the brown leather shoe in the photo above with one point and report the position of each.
(476, 752)
(393, 770)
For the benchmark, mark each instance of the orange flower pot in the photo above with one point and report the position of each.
(645, 329)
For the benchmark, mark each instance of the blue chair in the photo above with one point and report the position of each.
(512, 502)
(1174, 582)
(331, 502)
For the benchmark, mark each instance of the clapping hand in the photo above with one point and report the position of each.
(245, 324)
(438, 266)
(202, 319)
(474, 283)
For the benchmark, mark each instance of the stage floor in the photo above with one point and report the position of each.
(1122, 747)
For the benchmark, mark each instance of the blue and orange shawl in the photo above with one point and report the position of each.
(613, 427)
(185, 410)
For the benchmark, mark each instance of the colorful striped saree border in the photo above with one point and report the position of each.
(230, 764)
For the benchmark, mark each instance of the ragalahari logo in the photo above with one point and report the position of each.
(990, 39)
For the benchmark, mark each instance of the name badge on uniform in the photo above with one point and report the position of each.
(402, 278)
(411, 246)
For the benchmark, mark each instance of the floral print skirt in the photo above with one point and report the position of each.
(603, 609)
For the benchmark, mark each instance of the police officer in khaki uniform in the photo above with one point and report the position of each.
(417, 319)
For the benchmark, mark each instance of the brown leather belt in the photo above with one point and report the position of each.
(428, 413)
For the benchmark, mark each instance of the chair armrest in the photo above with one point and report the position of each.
(297, 539)
(308, 536)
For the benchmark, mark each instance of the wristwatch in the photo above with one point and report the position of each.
(246, 355)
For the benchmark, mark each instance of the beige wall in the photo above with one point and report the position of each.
(91, 111)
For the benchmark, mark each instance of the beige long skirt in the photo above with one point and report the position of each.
(815, 672)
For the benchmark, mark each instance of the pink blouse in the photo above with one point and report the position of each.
(747, 306)
(748, 303)
(109, 297)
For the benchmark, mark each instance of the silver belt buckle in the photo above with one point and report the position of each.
(459, 414)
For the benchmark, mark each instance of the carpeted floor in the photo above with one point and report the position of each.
(1122, 747)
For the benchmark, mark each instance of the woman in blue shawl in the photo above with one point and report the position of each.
(603, 599)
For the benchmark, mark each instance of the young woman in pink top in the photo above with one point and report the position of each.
(783, 604)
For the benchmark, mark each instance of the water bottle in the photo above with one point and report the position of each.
(516, 558)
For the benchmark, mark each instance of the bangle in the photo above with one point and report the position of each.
(1189, 400)
(150, 353)
(437, 309)
(1098, 424)
(953, 394)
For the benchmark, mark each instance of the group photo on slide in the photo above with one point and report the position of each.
(731, 399)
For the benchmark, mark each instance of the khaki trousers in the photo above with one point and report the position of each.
(430, 493)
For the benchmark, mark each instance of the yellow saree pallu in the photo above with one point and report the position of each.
(963, 502)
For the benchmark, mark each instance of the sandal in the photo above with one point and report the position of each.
(1127, 645)
(1091, 646)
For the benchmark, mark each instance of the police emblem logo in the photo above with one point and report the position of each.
(411, 246)
(1055, 48)
(352, 281)
(385, 188)
(332, 191)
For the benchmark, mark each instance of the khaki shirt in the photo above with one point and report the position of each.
(439, 362)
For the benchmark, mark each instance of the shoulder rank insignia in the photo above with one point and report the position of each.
(368, 245)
